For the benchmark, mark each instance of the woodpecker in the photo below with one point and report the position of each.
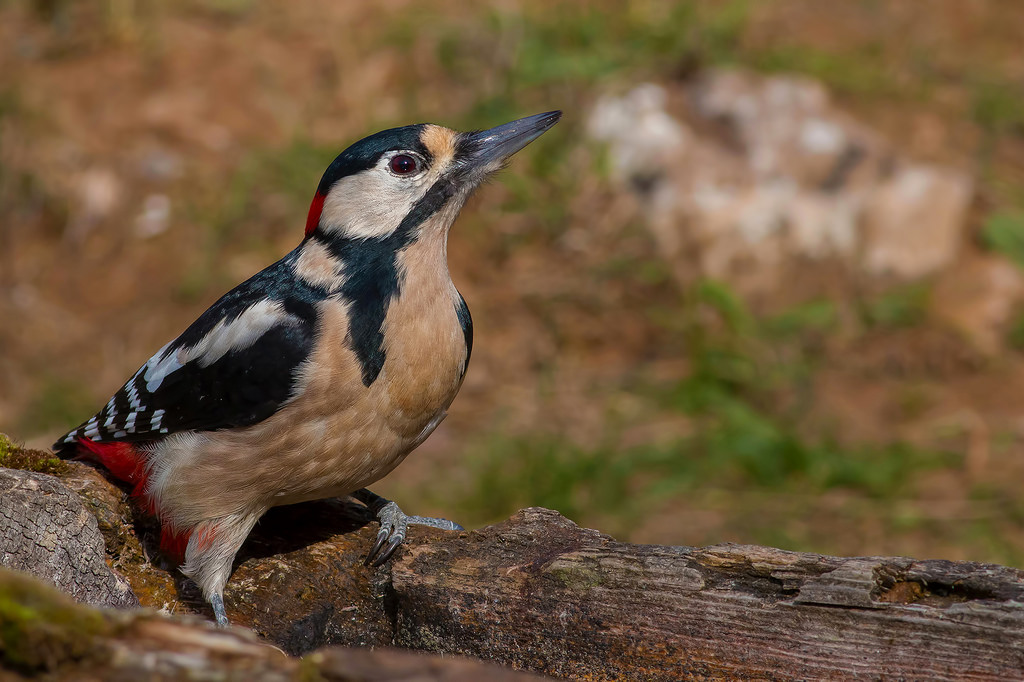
(318, 375)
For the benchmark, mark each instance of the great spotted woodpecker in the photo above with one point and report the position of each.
(318, 375)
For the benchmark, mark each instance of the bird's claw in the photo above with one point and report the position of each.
(393, 524)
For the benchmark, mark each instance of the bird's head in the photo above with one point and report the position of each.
(399, 182)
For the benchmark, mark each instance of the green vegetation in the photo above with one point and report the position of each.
(576, 45)
(743, 441)
(1003, 232)
(904, 306)
(560, 53)
(13, 456)
(736, 448)
(863, 73)
(811, 318)
(996, 105)
(1015, 331)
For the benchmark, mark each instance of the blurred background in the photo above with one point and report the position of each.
(761, 284)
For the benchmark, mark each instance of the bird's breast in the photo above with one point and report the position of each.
(337, 434)
(425, 354)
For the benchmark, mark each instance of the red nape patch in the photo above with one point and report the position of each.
(124, 461)
(316, 207)
(174, 542)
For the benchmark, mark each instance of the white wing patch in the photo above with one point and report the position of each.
(130, 413)
(157, 368)
(239, 334)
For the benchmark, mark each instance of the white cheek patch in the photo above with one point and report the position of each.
(371, 203)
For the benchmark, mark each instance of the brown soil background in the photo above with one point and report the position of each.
(229, 110)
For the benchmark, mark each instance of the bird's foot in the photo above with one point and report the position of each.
(219, 614)
(393, 525)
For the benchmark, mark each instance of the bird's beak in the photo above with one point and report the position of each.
(489, 149)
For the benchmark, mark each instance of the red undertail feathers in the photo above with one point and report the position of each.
(127, 463)
(173, 543)
(124, 460)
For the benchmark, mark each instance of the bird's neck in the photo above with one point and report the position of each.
(427, 256)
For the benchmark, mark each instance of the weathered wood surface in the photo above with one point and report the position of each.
(543, 594)
(538, 593)
(45, 530)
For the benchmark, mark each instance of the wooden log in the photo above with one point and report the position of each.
(539, 593)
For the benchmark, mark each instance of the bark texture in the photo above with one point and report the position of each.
(46, 531)
(543, 594)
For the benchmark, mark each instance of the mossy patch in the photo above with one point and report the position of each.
(13, 456)
(576, 576)
(41, 629)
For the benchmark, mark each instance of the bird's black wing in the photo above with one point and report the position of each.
(234, 366)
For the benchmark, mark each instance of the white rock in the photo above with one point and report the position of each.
(914, 221)
(642, 135)
(789, 176)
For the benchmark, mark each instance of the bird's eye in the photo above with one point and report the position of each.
(403, 164)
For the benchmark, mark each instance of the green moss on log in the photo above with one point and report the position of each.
(42, 629)
(13, 456)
